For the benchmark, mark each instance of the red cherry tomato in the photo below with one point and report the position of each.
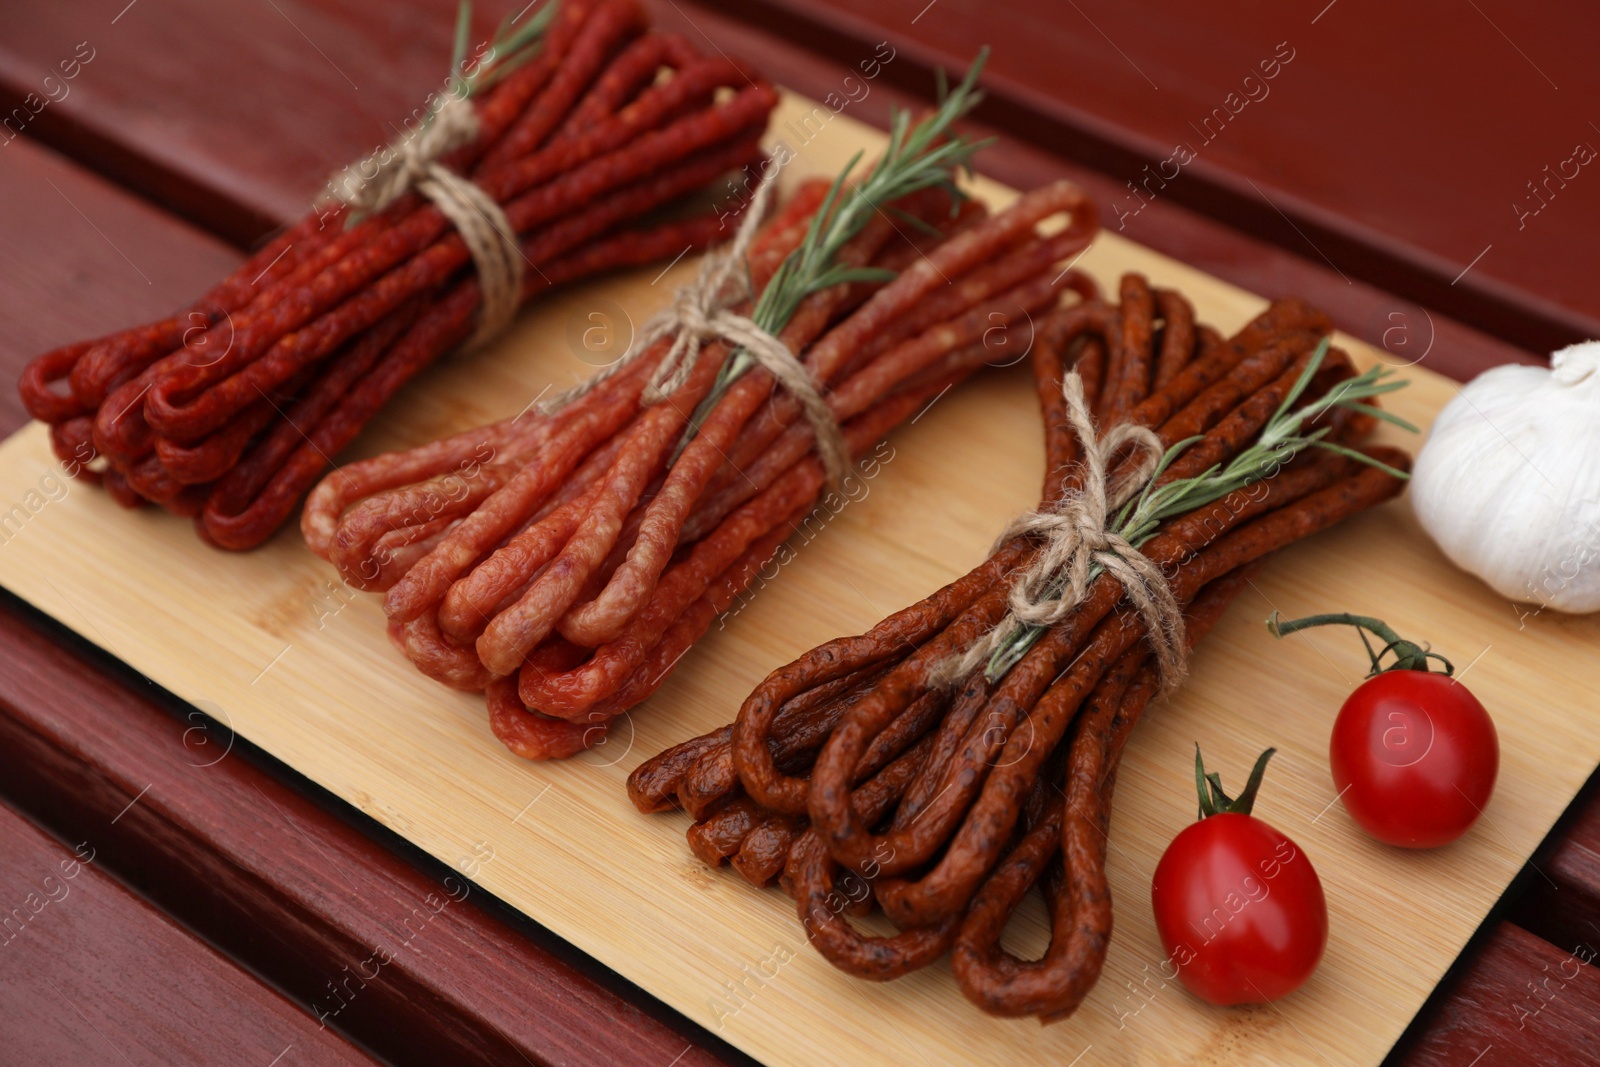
(1414, 758)
(1238, 906)
(1414, 755)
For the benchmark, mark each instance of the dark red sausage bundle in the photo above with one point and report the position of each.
(229, 410)
(856, 781)
(563, 562)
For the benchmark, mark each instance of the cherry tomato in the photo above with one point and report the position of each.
(1238, 906)
(1414, 758)
(1414, 755)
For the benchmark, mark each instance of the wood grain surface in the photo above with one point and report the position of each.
(1519, 1000)
(238, 135)
(1425, 147)
(251, 862)
(90, 973)
(67, 234)
(1562, 898)
(264, 871)
(242, 633)
(40, 305)
(222, 112)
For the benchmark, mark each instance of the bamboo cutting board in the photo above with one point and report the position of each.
(272, 645)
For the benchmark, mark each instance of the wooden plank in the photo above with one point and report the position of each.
(263, 871)
(185, 127)
(80, 260)
(1406, 330)
(228, 115)
(1517, 1000)
(1188, 235)
(89, 973)
(248, 861)
(330, 697)
(1561, 900)
(1354, 152)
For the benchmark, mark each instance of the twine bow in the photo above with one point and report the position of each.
(701, 313)
(1079, 535)
(411, 163)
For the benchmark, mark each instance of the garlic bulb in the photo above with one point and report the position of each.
(1508, 483)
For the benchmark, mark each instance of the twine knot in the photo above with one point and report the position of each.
(411, 163)
(700, 313)
(1079, 535)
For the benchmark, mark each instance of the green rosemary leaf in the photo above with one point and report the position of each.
(1166, 460)
(912, 221)
(505, 25)
(1383, 384)
(1282, 438)
(458, 52)
(855, 274)
(1364, 458)
(921, 156)
(1301, 383)
(510, 48)
(1382, 413)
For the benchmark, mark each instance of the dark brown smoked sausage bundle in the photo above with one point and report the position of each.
(855, 782)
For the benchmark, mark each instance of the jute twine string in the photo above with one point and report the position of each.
(412, 164)
(1077, 534)
(699, 314)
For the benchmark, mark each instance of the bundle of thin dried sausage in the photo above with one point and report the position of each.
(228, 411)
(861, 775)
(564, 560)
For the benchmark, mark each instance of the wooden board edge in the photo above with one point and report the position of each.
(294, 883)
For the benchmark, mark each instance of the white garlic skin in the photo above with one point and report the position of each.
(1508, 483)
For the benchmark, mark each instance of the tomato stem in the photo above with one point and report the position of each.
(1408, 655)
(1213, 801)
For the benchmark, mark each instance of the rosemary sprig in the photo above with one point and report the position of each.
(509, 48)
(1281, 439)
(922, 156)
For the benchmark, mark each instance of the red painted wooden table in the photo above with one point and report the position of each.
(215, 895)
